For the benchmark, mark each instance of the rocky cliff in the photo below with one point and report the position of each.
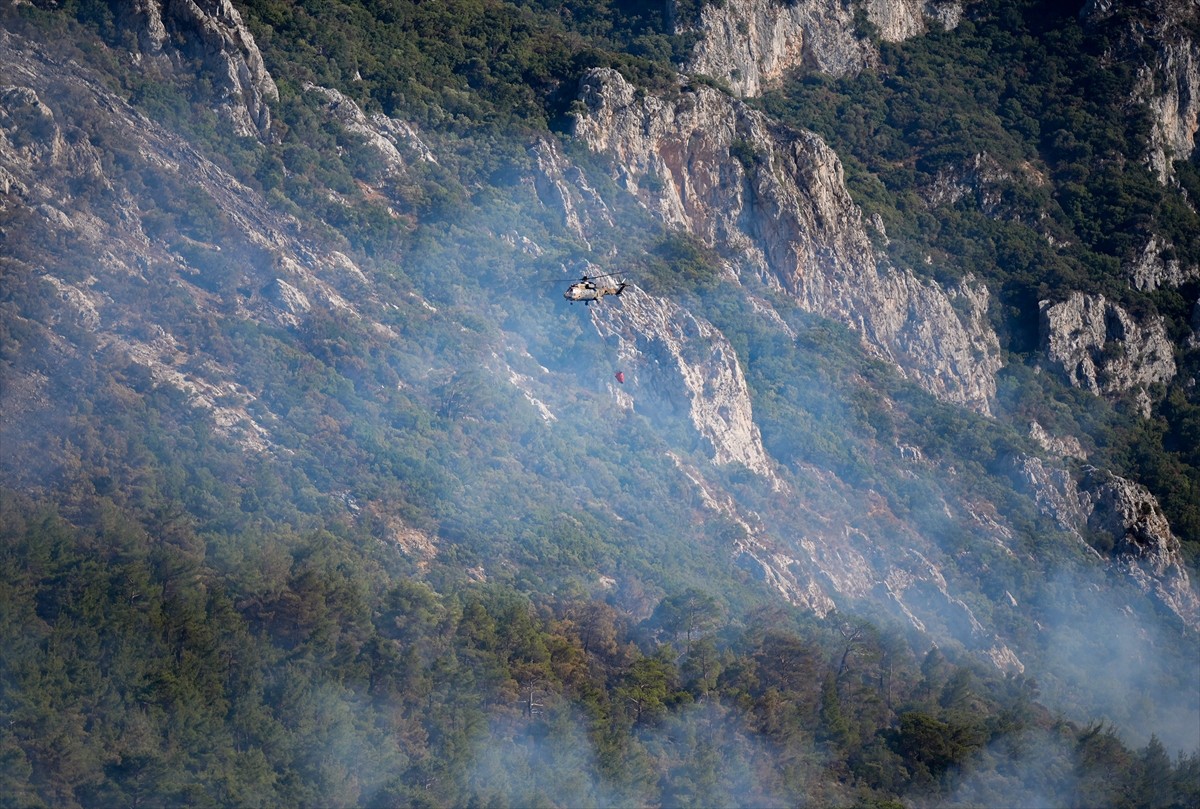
(397, 142)
(1163, 39)
(562, 187)
(1097, 345)
(897, 20)
(1115, 510)
(751, 44)
(1145, 546)
(209, 35)
(673, 355)
(1152, 269)
(776, 202)
(58, 187)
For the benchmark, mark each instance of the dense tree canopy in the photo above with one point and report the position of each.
(429, 600)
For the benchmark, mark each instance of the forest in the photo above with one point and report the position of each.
(425, 597)
(148, 663)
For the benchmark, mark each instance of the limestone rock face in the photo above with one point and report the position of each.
(777, 204)
(1143, 545)
(212, 32)
(54, 181)
(751, 44)
(1063, 447)
(1152, 270)
(1097, 345)
(1177, 108)
(682, 360)
(980, 179)
(145, 19)
(291, 303)
(1169, 81)
(562, 186)
(397, 142)
(898, 20)
(32, 142)
(1055, 491)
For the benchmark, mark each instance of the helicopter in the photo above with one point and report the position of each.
(586, 289)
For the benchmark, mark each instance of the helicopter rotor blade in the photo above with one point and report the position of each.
(583, 278)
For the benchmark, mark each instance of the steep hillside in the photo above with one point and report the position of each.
(315, 490)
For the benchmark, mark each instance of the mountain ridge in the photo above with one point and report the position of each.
(335, 335)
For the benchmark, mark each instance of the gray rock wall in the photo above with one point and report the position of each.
(1097, 345)
(751, 44)
(213, 33)
(777, 204)
(677, 357)
(1169, 81)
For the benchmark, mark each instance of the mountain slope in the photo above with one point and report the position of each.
(282, 373)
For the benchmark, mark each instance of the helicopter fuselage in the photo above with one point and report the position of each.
(588, 291)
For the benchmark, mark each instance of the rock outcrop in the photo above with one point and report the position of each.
(291, 303)
(212, 34)
(1169, 81)
(1152, 270)
(33, 142)
(1097, 345)
(776, 203)
(751, 44)
(898, 20)
(675, 357)
(981, 179)
(1101, 504)
(562, 186)
(1146, 549)
(397, 142)
(1171, 90)
(1062, 447)
(1054, 491)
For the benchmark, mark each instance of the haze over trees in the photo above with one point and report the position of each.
(395, 541)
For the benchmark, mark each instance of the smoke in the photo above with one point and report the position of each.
(1113, 657)
(1031, 769)
(1105, 653)
(695, 756)
(546, 760)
